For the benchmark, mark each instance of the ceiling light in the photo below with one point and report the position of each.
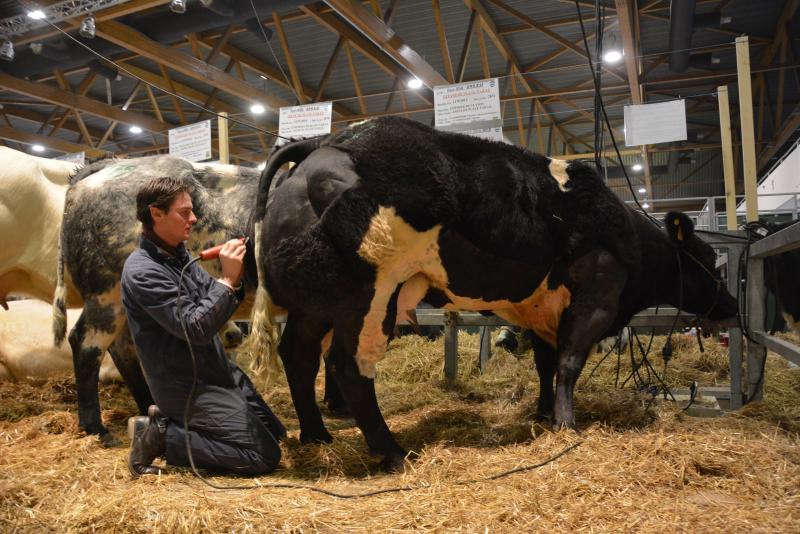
(177, 6)
(637, 167)
(88, 27)
(642, 190)
(257, 109)
(37, 148)
(37, 14)
(645, 205)
(262, 166)
(612, 56)
(135, 129)
(206, 3)
(7, 51)
(414, 83)
(37, 48)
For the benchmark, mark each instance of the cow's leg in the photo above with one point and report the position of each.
(123, 353)
(97, 327)
(359, 391)
(598, 283)
(545, 356)
(334, 399)
(300, 352)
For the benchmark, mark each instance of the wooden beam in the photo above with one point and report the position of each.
(222, 128)
(625, 16)
(746, 118)
(14, 134)
(154, 103)
(487, 73)
(39, 118)
(222, 41)
(297, 86)
(127, 103)
(130, 39)
(391, 43)
(172, 93)
(448, 65)
(462, 62)
(328, 69)
(727, 156)
(354, 75)
(91, 106)
(112, 13)
(83, 88)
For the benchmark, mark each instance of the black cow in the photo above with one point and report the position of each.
(541, 243)
(782, 277)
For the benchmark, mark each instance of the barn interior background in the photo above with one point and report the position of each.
(642, 465)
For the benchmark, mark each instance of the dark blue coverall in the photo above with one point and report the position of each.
(232, 428)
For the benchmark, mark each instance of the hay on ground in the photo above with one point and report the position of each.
(641, 465)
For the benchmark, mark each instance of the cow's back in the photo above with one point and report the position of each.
(100, 228)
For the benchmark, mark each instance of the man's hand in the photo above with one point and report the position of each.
(231, 259)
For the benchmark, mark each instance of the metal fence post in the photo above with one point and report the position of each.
(450, 345)
(756, 354)
(486, 349)
(735, 334)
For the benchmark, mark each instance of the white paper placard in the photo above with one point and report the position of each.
(467, 106)
(305, 121)
(662, 122)
(75, 157)
(192, 142)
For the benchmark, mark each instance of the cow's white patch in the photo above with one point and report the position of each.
(411, 293)
(401, 254)
(558, 170)
(398, 252)
(325, 344)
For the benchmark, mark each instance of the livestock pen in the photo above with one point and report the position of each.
(640, 463)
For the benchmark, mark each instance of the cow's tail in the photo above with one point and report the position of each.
(60, 299)
(262, 343)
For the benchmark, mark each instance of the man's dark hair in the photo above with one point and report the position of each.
(158, 193)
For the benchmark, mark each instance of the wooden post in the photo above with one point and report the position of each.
(727, 155)
(224, 152)
(748, 140)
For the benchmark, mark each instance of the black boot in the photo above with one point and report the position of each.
(148, 442)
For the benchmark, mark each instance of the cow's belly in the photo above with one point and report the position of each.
(541, 311)
(472, 279)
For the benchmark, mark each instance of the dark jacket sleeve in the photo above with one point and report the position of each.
(156, 293)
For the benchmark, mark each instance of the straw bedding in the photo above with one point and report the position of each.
(639, 466)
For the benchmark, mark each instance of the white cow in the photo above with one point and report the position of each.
(32, 192)
(26, 345)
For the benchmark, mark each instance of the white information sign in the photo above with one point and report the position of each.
(305, 121)
(662, 122)
(468, 106)
(192, 142)
(75, 157)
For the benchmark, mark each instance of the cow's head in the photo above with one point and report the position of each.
(703, 291)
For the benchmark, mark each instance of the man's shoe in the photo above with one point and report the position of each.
(148, 442)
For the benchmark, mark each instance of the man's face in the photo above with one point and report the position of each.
(174, 225)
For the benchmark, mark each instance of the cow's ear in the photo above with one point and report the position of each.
(679, 227)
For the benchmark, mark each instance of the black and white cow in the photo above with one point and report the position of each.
(782, 277)
(542, 243)
(99, 230)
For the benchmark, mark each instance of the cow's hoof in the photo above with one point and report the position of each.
(318, 436)
(108, 440)
(564, 426)
(394, 462)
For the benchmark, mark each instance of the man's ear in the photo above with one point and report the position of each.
(679, 227)
(156, 213)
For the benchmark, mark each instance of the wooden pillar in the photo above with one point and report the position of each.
(746, 116)
(727, 155)
(756, 354)
(224, 152)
